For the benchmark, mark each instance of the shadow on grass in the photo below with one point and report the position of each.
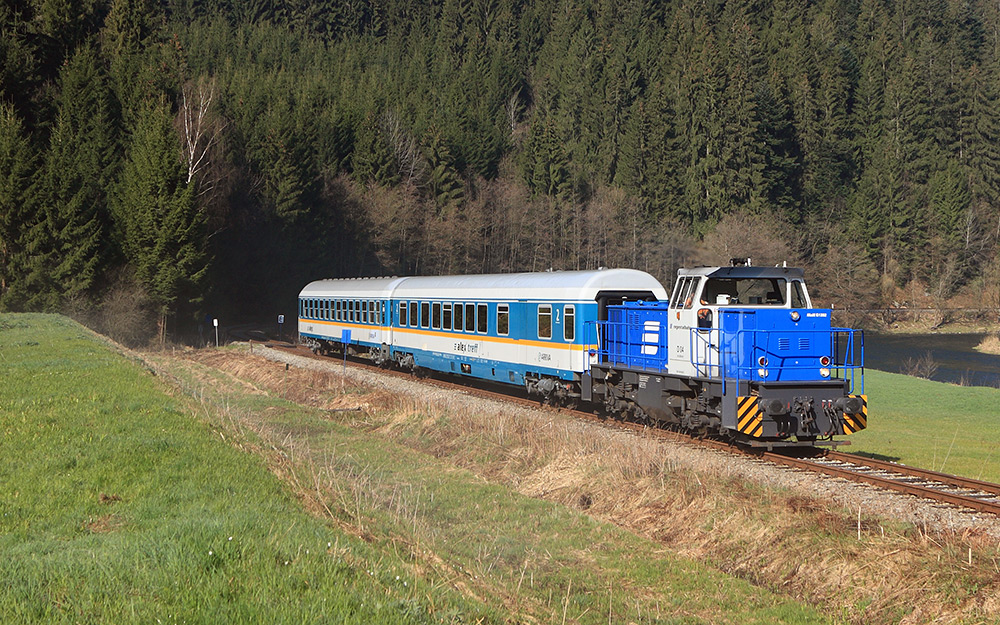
(874, 456)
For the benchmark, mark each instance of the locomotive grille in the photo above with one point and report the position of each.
(784, 343)
(803, 343)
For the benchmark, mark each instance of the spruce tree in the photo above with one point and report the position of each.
(16, 167)
(78, 170)
(162, 227)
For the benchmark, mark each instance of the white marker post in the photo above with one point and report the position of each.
(215, 322)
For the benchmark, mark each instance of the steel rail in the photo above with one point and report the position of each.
(926, 474)
(968, 501)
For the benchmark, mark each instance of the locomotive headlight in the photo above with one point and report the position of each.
(762, 361)
(762, 373)
(824, 361)
(824, 372)
(794, 315)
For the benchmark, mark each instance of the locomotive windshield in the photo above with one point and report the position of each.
(749, 291)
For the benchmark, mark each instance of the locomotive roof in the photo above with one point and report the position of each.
(743, 272)
(557, 285)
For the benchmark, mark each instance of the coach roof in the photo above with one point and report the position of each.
(549, 285)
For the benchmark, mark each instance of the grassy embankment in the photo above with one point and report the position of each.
(944, 427)
(125, 501)
(857, 567)
(118, 505)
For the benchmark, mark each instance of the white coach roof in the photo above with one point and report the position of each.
(549, 285)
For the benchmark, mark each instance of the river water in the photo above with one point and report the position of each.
(957, 360)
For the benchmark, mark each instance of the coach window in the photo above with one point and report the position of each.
(470, 317)
(447, 316)
(425, 314)
(436, 315)
(373, 312)
(569, 323)
(459, 324)
(402, 314)
(503, 319)
(481, 312)
(340, 310)
(413, 314)
(544, 321)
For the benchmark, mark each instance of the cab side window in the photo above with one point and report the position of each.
(798, 296)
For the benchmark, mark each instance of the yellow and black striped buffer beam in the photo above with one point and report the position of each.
(856, 422)
(749, 418)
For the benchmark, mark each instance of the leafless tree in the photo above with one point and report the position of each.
(200, 127)
(412, 166)
(764, 238)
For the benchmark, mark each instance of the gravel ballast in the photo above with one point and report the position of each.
(930, 517)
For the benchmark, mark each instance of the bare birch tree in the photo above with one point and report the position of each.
(200, 127)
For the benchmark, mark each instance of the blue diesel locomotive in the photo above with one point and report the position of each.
(735, 351)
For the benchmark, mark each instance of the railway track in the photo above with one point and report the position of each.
(953, 490)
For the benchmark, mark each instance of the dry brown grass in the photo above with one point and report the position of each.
(990, 344)
(788, 542)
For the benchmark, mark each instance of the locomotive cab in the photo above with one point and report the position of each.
(701, 294)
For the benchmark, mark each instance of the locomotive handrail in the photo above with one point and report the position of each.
(617, 344)
(708, 340)
(713, 355)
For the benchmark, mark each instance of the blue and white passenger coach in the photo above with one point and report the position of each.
(535, 330)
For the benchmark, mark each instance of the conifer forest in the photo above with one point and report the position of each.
(164, 159)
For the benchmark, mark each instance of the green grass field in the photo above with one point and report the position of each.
(944, 427)
(124, 500)
(118, 506)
